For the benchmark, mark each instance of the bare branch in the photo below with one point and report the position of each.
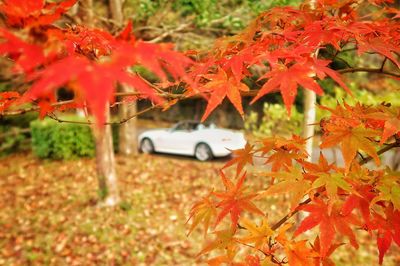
(369, 70)
(169, 32)
(124, 120)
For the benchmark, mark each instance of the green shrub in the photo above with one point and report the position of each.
(274, 121)
(14, 133)
(12, 142)
(54, 140)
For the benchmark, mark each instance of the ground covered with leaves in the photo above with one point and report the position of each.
(49, 213)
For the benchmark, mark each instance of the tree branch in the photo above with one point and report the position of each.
(369, 70)
(169, 32)
(124, 120)
(381, 151)
(181, 96)
(166, 95)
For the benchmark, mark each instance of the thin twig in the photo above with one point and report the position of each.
(169, 32)
(381, 151)
(272, 257)
(369, 70)
(383, 63)
(124, 120)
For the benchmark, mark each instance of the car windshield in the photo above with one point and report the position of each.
(192, 125)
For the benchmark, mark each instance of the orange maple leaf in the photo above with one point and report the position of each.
(259, 235)
(235, 200)
(241, 157)
(291, 182)
(284, 151)
(385, 117)
(202, 211)
(224, 240)
(351, 139)
(298, 254)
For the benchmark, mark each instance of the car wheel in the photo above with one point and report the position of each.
(146, 146)
(203, 152)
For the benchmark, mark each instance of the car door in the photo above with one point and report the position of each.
(178, 139)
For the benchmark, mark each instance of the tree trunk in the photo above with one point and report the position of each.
(116, 12)
(309, 103)
(85, 12)
(105, 164)
(309, 121)
(128, 144)
(127, 131)
(105, 160)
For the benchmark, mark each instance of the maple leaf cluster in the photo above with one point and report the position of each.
(284, 45)
(340, 200)
(89, 61)
(294, 48)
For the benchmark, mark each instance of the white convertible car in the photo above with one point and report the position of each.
(192, 138)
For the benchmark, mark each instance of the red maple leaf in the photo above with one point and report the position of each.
(90, 42)
(7, 98)
(26, 56)
(236, 63)
(380, 45)
(33, 12)
(96, 81)
(157, 57)
(221, 85)
(388, 230)
(45, 107)
(361, 202)
(126, 33)
(324, 261)
(329, 224)
(321, 33)
(286, 80)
